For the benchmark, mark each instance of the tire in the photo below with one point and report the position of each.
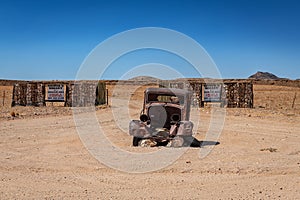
(135, 141)
(177, 141)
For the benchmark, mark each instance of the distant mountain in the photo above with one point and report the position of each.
(144, 78)
(264, 75)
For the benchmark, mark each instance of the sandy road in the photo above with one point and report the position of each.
(43, 158)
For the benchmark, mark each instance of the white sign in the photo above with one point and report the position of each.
(55, 92)
(212, 92)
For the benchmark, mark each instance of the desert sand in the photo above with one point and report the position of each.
(42, 157)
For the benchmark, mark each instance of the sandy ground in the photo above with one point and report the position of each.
(42, 157)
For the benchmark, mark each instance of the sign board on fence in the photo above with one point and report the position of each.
(55, 92)
(212, 92)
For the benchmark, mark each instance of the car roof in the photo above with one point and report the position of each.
(170, 91)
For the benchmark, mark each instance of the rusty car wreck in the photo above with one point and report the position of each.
(164, 119)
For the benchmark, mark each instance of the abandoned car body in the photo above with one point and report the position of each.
(164, 119)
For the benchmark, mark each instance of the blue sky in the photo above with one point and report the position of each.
(49, 39)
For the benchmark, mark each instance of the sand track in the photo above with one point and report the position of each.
(43, 158)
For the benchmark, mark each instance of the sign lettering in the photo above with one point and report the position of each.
(55, 92)
(212, 92)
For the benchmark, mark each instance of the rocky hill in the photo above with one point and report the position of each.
(264, 75)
